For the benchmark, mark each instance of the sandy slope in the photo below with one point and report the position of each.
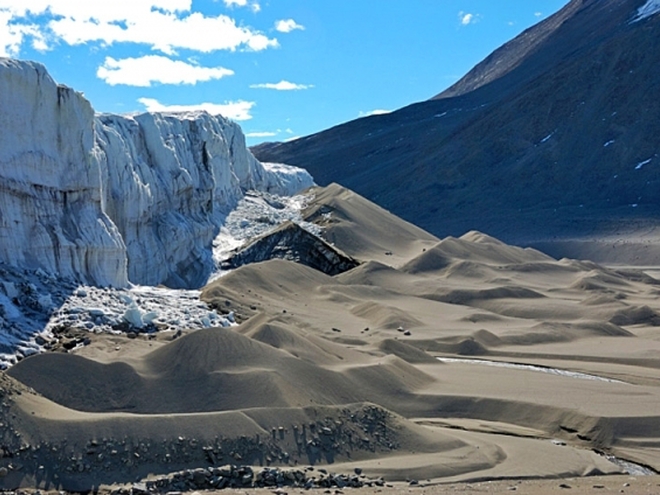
(343, 369)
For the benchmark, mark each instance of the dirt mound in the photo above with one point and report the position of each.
(636, 315)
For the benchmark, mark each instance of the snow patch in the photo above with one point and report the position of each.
(547, 138)
(651, 7)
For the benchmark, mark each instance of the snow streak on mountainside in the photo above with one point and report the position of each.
(110, 200)
(648, 9)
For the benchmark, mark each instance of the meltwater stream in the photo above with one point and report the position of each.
(530, 367)
(628, 466)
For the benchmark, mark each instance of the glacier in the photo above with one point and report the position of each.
(114, 200)
(51, 204)
(97, 211)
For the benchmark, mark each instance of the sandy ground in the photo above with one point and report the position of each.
(599, 484)
(630, 485)
(343, 371)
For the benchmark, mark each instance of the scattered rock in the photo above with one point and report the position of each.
(237, 477)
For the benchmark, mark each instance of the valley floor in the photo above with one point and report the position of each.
(448, 362)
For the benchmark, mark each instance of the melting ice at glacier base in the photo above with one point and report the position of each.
(112, 201)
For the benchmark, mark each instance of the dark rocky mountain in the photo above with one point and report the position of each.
(551, 141)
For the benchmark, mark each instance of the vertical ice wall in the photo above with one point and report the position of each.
(51, 212)
(112, 199)
(170, 180)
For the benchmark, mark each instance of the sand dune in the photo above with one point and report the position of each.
(356, 354)
(364, 230)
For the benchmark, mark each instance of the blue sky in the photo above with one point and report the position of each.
(281, 68)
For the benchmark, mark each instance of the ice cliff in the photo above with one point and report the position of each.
(51, 196)
(169, 182)
(110, 199)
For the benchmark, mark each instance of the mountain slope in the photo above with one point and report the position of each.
(552, 137)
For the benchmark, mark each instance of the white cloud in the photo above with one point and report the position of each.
(235, 110)
(260, 134)
(101, 11)
(467, 18)
(12, 36)
(282, 86)
(538, 14)
(269, 133)
(287, 25)
(243, 3)
(164, 25)
(10, 41)
(374, 112)
(144, 71)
